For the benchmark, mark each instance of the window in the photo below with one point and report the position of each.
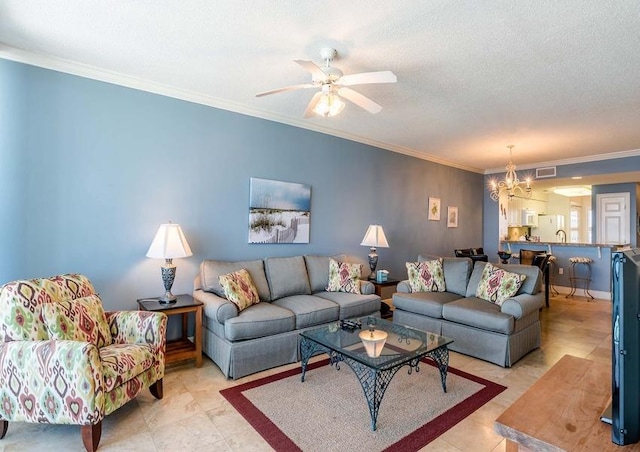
(574, 225)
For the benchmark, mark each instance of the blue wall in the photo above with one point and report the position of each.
(90, 169)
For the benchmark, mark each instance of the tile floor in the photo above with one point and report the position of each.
(194, 416)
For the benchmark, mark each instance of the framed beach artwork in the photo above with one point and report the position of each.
(434, 209)
(279, 212)
(452, 217)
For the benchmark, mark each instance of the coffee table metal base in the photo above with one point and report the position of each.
(374, 382)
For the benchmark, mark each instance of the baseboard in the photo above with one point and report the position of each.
(580, 292)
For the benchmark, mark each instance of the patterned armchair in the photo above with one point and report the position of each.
(64, 360)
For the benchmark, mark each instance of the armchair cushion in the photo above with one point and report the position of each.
(21, 304)
(122, 362)
(82, 319)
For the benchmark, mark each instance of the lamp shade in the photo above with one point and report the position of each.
(169, 243)
(375, 237)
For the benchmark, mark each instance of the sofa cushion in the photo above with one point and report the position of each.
(259, 320)
(344, 277)
(82, 319)
(478, 313)
(122, 362)
(318, 270)
(427, 276)
(287, 276)
(353, 305)
(211, 269)
(309, 309)
(532, 284)
(239, 289)
(497, 285)
(456, 272)
(424, 303)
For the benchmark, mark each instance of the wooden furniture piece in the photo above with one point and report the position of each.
(385, 309)
(180, 349)
(561, 411)
(380, 285)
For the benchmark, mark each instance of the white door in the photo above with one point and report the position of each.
(613, 218)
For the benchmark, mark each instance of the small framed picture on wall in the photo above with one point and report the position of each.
(452, 217)
(434, 209)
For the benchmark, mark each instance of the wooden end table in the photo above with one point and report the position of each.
(180, 349)
(385, 309)
(380, 285)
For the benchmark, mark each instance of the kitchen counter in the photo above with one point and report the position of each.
(532, 243)
(600, 253)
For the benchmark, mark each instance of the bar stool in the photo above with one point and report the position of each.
(574, 277)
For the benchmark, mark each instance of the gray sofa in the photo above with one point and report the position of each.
(498, 334)
(292, 299)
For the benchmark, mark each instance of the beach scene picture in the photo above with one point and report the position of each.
(279, 212)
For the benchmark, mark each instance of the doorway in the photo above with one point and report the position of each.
(613, 218)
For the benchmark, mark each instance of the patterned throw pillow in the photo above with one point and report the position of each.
(497, 285)
(344, 277)
(426, 276)
(239, 288)
(82, 319)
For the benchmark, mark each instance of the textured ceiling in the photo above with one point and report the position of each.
(558, 79)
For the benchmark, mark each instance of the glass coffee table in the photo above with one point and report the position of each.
(405, 346)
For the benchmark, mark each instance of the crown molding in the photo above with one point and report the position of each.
(116, 78)
(572, 161)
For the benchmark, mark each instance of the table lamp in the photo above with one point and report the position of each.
(374, 238)
(169, 243)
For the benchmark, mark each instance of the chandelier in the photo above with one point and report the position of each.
(511, 183)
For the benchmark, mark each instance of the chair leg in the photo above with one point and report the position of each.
(4, 425)
(91, 436)
(156, 389)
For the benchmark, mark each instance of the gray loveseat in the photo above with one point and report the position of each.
(292, 298)
(498, 334)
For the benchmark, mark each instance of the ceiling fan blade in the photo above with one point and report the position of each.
(360, 100)
(285, 89)
(312, 104)
(312, 67)
(367, 77)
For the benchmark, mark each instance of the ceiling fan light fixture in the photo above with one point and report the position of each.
(335, 86)
(329, 105)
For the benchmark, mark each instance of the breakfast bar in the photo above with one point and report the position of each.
(599, 254)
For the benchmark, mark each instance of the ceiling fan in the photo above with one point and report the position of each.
(334, 85)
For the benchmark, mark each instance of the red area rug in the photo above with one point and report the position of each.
(329, 412)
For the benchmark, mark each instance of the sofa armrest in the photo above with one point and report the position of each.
(522, 305)
(403, 286)
(138, 327)
(215, 307)
(39, 369)
(366, 287)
